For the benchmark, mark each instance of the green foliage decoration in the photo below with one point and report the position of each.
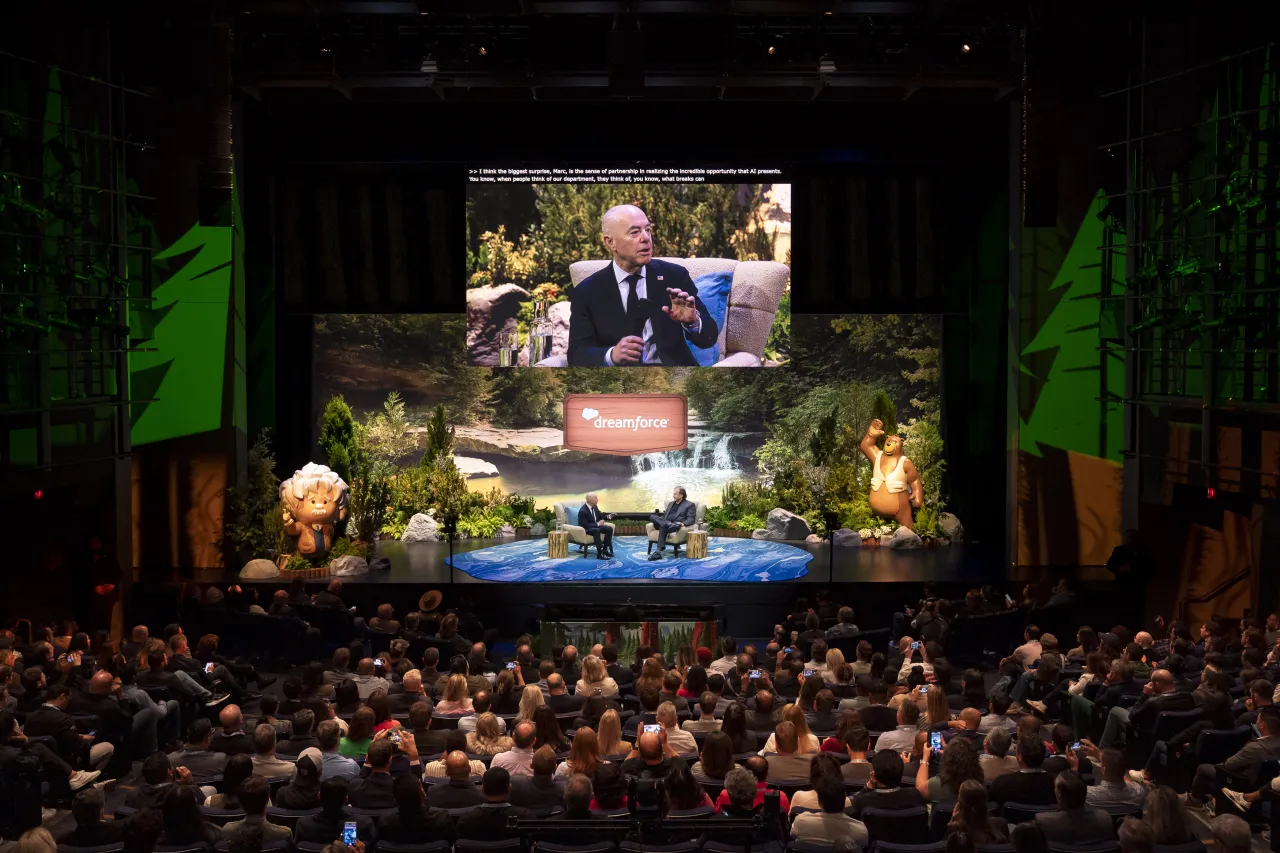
(439, 437)
(252, 525)
(297, 563)
(338, 436)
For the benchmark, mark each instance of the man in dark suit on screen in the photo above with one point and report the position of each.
(589, 518)
(636, 310)
(679, 514)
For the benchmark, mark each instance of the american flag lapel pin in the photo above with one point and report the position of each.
(659, 278)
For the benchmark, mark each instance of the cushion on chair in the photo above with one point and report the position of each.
(713, 290)
(757, 289)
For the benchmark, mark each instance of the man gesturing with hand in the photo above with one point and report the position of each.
(636, 310)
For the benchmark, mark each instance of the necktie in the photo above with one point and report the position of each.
(633, 298)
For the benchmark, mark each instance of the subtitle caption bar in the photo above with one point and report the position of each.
(502, 175)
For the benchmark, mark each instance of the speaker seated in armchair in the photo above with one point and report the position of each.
(672, 526)
(742, 298)
(587, 525)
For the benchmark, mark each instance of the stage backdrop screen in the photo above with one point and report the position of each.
(627, 266)
(754, 439)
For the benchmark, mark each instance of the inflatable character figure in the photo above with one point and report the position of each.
(312, 501)
(895, 484)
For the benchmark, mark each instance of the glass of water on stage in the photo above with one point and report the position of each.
(508, 349)
(540, 331)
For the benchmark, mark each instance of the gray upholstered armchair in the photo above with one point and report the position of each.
(675, 540)
(753, 300)
(567, 515)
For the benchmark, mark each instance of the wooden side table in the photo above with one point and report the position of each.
(558, 544)
(696, 545)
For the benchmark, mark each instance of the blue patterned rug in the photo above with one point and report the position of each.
(526, 561)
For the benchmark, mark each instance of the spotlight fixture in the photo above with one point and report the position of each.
(484, 51)
(826, 65)
(964, 48)
(772, 50)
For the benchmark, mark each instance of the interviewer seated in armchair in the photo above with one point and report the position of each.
(591, 519)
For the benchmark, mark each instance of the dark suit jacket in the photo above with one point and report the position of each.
(147, 796)
(536, 792)
(598, 318)
(1076, 826)
(453, 795)
(586, 521)
(401, 702)
(47, 721)
(563, 703)
(201, 762)
(681, 703)
(1143, 716)
(621, 674)
(324, 598)
(372, 792)
(1110, 695)
(117, 722)
(758, 722)
(232, 744)
(1033, 789)
(326, 827)
(683, 512)
(415, 827)
(295, 745)
(430, 741)
(488, 821)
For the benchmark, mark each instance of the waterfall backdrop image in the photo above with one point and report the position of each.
(757, 438)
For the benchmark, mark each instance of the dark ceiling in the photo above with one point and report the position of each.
(917, 50)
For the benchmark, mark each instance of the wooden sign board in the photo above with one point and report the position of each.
(626, 424)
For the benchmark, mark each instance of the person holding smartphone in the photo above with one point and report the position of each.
(914, 653)
(652, 756)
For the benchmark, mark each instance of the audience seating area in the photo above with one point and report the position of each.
(953, 726)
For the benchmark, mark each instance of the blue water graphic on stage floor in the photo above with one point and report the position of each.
(727, 560)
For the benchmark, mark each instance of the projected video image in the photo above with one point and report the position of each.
(627, 268)
(755, 440)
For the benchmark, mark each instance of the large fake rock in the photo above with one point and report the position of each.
(814, 539)
(905, 539)
(760, 533)
(538, 529)
(558, 314)
(491, 311)
(846, 538)
(507, 532)
(951, 527)
(259, 570)
(421, 528)
(345, 567)
(786, 525)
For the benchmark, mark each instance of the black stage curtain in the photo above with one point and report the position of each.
(867, 243)
(362, 241)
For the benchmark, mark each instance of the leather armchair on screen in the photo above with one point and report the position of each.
(675, 540)
(753, 301)
(567, 515)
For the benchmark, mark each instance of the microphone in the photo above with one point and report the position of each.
(643, 313)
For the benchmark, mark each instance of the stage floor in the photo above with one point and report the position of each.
(427, 562)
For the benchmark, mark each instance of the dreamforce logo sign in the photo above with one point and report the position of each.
(626, 424)
(632, 424)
